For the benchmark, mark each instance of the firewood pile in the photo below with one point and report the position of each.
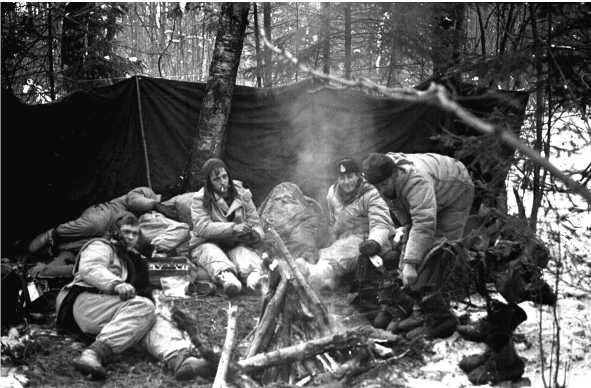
(296, 341)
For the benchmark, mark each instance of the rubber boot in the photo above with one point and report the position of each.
(187, 367)
(415, 320)
(395, 304)
(91, 360)
(502, 365)
(475, 332)
(473, 361)
(440, 321)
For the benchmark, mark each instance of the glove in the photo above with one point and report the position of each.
(168, 211)
(369, 248)
(125, 291)
(409, 274)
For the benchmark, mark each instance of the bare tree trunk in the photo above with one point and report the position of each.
(255, 12)
(347, 40)
(325, 32)
(50, 71)
(482, 32)
(215, 108)
(537, 188)
(268, 73)
(73, 43)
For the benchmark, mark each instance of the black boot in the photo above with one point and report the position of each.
(395, 304)
(440, 321)
(500, 359)
(476, 331)
(502, 365)
(473, 361)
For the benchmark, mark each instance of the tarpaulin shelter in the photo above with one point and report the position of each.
(92, 146)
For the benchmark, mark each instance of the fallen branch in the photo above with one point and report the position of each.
(220, 376)
(438, 94)
(357, 337)
(184, 322)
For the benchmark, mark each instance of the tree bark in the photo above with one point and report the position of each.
(223, 365)
(255, 13)
(347, 40)
(268, 54)
(357, 337)
(73, 44)
(50, 70)
(215, 108)
(325, 32)
(537, 189)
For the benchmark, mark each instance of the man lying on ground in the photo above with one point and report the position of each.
(226, 227)
(96, 220)
(109, 298)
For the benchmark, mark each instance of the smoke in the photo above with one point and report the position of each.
(329, 125)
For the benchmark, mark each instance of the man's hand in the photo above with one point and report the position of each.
(125, 291)
(241, 229)
(409, 274)
(369, 248)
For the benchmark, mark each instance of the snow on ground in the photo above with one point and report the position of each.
(574, 314)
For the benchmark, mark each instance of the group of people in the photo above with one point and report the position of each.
(427, 195)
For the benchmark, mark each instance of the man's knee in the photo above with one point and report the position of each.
(142, 307)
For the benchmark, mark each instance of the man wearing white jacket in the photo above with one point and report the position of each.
(110, 299)
(226, 226)
(359, 222)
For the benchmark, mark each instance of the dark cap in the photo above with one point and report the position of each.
(210, 165)
(377, 167)
(348, 165)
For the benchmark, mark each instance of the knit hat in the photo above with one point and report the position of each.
(210, 165)
(348, 165)
(377, 167)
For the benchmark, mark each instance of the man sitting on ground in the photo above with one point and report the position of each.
(109, 298)
(359, 222)
(226, 226)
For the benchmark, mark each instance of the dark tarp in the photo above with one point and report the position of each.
(87, 148)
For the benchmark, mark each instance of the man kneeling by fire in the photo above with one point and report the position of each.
(110, 299)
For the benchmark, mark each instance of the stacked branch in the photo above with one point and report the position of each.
(295, 336)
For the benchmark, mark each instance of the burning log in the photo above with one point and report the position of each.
(305, 291)
(358, 337)
(265, 326)
(220, 376)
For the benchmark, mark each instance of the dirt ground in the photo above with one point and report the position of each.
(48, 355)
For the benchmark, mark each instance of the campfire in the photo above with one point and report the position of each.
(296, 340)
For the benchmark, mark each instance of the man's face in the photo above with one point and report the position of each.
(130, 235)
(348, 181)
(386, 187)
(220, 181)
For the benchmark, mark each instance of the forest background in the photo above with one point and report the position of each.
(51, 49)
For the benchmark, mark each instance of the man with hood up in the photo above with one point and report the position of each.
(226, 226)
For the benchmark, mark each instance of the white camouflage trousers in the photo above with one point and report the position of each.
(121, 324)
